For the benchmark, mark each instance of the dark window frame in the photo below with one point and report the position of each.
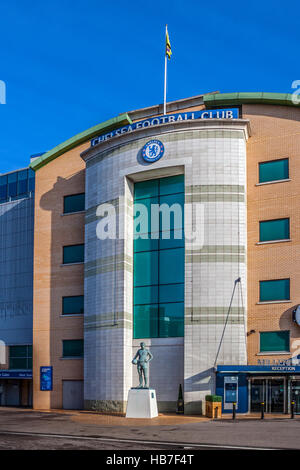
(70, 195)
(274, 351)
(17, 193)
(27, 357)
(270, 280)
(271, 161)
(273, 220)
(73, 357)
(68, 297)
(71, 262)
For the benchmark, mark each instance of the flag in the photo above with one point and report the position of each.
(168, 45)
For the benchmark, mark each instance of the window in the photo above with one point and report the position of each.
(20, 357)
(73, 254)
(22, 182)
(3, 188)
(12, 185)
(278, 229)
(74, 203)
(159, 262)
(16, 185)
(31, 180)
(72, 305)
(275, 341)
(274, 290)
(275, 170)
(73, 348)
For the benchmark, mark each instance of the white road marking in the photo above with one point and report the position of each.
(185, 445)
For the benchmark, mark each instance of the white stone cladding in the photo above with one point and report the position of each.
(212, 157)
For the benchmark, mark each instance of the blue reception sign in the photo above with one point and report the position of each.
(228, 113)
(153, 150)
(46, 378)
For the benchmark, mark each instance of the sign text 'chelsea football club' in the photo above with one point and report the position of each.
(231, 113)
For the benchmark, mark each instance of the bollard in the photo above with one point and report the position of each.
(233, 410)
(292, 409)
(262, 409)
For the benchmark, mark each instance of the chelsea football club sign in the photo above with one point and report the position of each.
(229, 113)
(153, 150)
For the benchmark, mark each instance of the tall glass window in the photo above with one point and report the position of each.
(159, 258)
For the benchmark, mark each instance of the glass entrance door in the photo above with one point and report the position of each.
(276, 395)
(258, 394)
(295, 389)
(271, 392)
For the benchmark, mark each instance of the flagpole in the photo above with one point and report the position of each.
(165, 86)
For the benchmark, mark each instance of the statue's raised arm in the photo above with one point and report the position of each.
(150, 356)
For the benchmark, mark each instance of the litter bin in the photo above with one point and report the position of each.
(213, 406)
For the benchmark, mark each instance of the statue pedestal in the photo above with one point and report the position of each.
(141, 403)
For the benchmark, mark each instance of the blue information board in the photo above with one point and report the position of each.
(46, 378)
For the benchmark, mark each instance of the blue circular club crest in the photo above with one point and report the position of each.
(153, 150)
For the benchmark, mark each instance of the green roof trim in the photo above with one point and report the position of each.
(220, 99)
(78, 139)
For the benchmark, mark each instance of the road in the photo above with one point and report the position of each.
(33, 430)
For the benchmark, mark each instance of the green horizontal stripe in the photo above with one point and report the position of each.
(106, 260)
(108, 269)
(215, 188)
(215, 197)
(213, 310)
(108, 264)
(213, 258)
(124, 324)
(218, 249)
(214, 315)
(215, 321)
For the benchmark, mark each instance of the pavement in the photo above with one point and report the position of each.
(61, 429)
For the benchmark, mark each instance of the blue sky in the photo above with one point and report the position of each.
(71, 64)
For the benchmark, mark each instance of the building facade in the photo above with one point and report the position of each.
(16, 287)
(178, 230)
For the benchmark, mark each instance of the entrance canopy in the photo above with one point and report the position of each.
(15, 374)
(255, 369)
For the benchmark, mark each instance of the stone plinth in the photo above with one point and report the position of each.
(141, 403)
